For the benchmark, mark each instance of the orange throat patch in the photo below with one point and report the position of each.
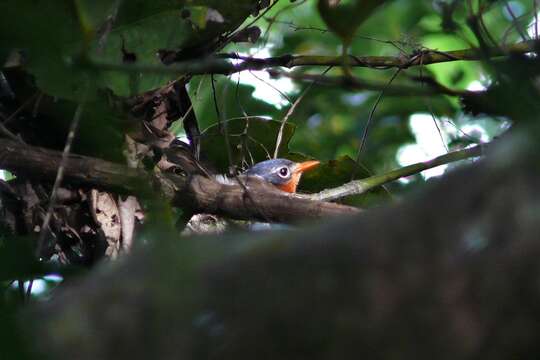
(290, 186)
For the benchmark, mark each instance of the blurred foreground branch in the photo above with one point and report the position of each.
(451, 274)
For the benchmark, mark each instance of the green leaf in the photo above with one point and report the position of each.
(44, 30)
(57, 35)
(345, 17)
(143, 39)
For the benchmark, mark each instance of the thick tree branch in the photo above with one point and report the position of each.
(43, 164)
(264, 201)
(197, 192)
(358, 187)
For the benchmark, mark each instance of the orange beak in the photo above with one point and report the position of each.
(306, 165)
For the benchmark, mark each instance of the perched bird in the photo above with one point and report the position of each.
(284, 174)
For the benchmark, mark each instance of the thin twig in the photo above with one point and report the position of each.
(29, 289)
(222, 125)
(37, 103)
(439, 130)
(189, 110)
(237, 97)
(105, 28)
(59, 176)
(535, 7)
(284, 122)
(216, 106)
(244, 136)
(433, 117)
(21, 108)
(281, 93)
(484, 27)
(370, 118)
(434, 89)
(357, 187)
(523, 36)
(4, 130)
(295, 27)
(273, 20)
(290, 112)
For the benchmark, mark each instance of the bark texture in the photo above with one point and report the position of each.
(42, 164)
(251, 199)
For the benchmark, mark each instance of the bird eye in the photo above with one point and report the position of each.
(283, 172)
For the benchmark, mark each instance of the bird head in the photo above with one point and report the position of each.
(283, 173)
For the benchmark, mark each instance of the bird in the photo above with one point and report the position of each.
(282, 173)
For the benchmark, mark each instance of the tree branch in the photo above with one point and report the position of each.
(264, 202)
(357, 187)
(196, 192)
(43, 164)
(219, 64)
(423, 57)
